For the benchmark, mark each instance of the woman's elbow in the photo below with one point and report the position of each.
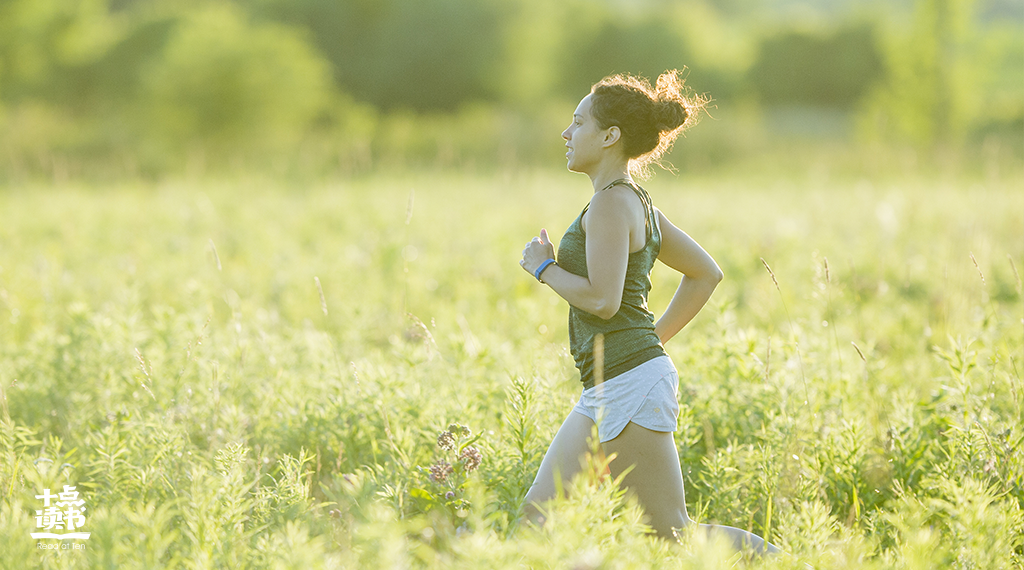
(709, 273)
(717, 275)
(606, 309)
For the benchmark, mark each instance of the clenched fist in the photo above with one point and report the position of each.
(537, 252)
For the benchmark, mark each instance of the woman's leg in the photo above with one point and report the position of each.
(657, 482)
(564, 459)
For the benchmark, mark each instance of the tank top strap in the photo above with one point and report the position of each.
(645, 198)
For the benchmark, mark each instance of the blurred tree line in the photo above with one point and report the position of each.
(155, 86)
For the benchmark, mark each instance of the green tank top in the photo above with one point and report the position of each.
(629, 337)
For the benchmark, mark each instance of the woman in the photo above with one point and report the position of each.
(603, 271)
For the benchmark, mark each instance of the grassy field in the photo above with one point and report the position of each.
(249, 374)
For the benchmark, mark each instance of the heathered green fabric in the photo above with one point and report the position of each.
(629, 337)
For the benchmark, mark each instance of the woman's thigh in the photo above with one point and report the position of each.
(656, 478)
(565, 457)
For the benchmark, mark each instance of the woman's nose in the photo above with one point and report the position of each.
(565, 134)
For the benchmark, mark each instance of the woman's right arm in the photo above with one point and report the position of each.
(700, 277)
(600, 293)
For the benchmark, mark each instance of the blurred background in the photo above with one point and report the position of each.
(111, 89)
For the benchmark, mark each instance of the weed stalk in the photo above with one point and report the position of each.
(792, 329)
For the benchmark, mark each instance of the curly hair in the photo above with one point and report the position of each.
(650, 118)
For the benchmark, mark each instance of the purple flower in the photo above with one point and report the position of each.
(472, 457)
(440, 471)
(449, 495)
(446, 440)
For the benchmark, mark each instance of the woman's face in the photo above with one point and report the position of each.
(584, 139)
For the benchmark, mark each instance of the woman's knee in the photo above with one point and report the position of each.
(533, 505)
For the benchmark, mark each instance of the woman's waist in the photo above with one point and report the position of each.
(615, 360)
(616, 344)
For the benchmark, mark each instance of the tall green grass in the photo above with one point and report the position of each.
(245, 374)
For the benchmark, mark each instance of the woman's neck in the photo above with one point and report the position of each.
(601, 178)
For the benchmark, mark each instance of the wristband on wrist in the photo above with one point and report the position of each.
(542, 267)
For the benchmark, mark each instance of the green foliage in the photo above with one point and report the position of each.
(225, 82)
(421, 55)
(833, 70)
(41, 41)
(119, 89)
(168, 350)
(604, 43)
(943, 79)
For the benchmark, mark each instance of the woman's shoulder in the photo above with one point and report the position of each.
(618, 206)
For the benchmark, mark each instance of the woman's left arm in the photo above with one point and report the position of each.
(600, 293)
(700, 277)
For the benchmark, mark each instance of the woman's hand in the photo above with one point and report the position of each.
(537, 252)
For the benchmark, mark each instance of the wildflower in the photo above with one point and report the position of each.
(446, 440)
(440, 471)
(472, 457)
(460, 430)
(449, 495)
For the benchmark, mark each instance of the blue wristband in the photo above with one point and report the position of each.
(542, 267)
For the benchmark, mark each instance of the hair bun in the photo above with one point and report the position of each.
(670, 114)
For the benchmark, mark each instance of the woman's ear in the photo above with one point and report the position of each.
(611, 136)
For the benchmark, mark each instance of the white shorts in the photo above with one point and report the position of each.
(645, 395)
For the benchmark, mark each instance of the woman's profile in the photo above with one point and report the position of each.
(602, 269)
